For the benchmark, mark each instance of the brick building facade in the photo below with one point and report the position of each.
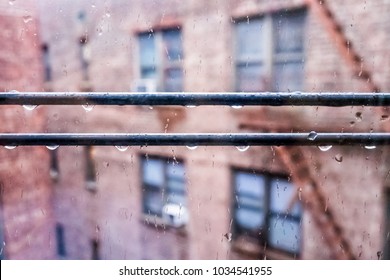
(112, 204)
(26, 224)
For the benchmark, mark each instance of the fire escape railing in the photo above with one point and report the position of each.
(190, 100)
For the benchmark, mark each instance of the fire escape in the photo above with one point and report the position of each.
(293, 157)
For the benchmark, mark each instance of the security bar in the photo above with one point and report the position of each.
(196, 98)
(194, 139)
(370, 140)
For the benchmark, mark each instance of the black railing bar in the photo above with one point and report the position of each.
(331, 99)
(193, 139)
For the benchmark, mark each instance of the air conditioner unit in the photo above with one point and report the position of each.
(144, 85)
(175, 215)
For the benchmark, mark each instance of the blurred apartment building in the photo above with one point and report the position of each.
(204, 202)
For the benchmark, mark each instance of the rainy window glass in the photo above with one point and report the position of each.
(307, 199)
(163, 184)
(267, 202)
(161, 57)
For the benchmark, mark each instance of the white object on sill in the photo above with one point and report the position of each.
(175, 215)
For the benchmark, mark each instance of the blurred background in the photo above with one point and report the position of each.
(194, 202)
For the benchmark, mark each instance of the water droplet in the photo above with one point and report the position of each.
(27, 18)
(242, 148)
(312, 135)
(10, 147)
(192, 147)
(300, 194)
(325, 148)
(14, 91)
(370, 147)
(236, 106)
(122, 148)
(30, 107)
(88, 108)
(52, 147)
(150, 107)
(338, 158)
(190, 106)
(228, 236)
(384, 117)
(11, 2)
(359, 116)
(108, 14)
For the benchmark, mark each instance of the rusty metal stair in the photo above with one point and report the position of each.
(313, 199)
(344, 45)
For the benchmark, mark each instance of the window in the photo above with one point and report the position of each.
(54, 168)
(85, 56)
(46, 63)
(270, 53)
(95, 246)
(387, 231)
(161, 57)
(90, 168)
(2, 241)
(264, 211)
(60, 236)
(163, 186)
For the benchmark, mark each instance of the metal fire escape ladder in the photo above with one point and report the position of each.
(346, 48)
(314, 200)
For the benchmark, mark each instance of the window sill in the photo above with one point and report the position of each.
(159, 224)
(248, 247)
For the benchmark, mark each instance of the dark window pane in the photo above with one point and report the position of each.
(153, 201)
(250, 184)
(60, 236)
(288, 76)
(284, 234)
(289, 32)
(172, 44)
(148, 52)
(173, 80)
(249, 219)
(251, 78)
(249, 39)
(176, 170)
(148, 73)
(282, 193)
(153, 172)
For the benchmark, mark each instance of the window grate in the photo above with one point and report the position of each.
(195, 99)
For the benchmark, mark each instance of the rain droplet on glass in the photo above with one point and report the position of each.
(370, 147)
(325, 148)
(30, 107)
(122, 148)
(359, 116)
(312, 135)
(11, 2)
(10, 147)
(88, 108)
(338, 158)
(191, 147)
(27, 18)
(190, 106)
(242, 148)
(236, 106)
(52, 147)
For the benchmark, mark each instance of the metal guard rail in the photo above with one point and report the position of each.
(195, 99)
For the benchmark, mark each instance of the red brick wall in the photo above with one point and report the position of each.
(26, 193)
(353, 187)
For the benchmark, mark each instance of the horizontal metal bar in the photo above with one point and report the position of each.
(194, 99)
(192, 139)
